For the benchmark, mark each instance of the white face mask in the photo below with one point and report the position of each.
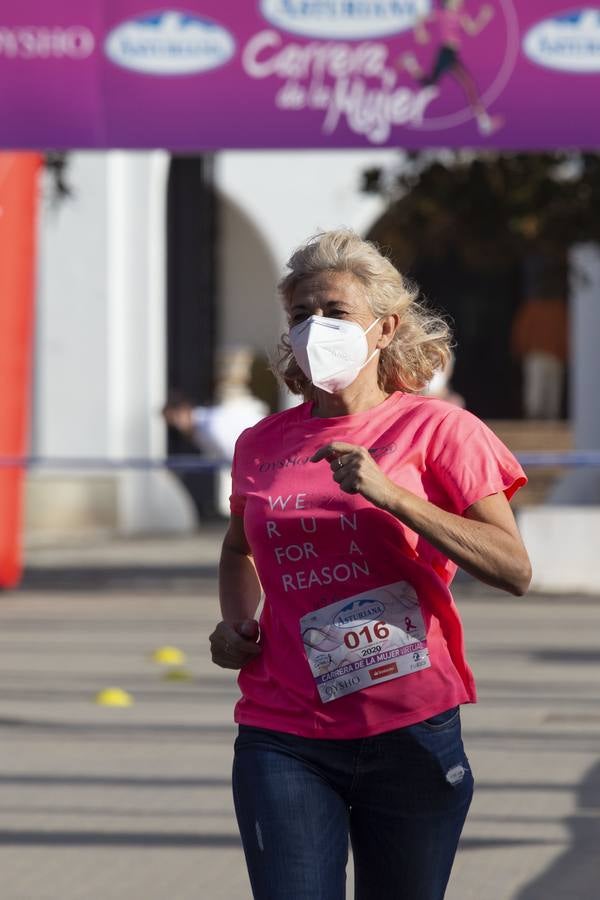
(331, 352)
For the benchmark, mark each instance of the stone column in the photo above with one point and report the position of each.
(147, 500)
(581, 486)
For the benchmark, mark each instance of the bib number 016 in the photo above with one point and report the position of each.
(368, 635)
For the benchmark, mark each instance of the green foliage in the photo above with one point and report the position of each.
(488, 207)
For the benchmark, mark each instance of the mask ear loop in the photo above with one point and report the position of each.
(367, 330)
(377, 349)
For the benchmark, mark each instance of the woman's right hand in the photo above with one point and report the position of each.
(233, 644)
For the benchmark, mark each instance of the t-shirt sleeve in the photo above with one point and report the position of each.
(237, 499)
(471, 461)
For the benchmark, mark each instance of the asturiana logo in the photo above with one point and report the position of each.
(569, 42)
(345, 19)
(359, 611)
(169, 43)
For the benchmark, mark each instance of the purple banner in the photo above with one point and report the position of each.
(212, 74)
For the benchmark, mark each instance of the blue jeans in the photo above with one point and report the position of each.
(401, 797)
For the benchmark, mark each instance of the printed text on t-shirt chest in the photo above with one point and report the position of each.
(301, 459)
(303, 542)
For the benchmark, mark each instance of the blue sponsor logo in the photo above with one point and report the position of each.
(569, 42)
(169, 43)
(353, 20)
(357, 612)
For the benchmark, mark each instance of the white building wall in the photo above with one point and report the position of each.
(100, 362)
(247, 276)
(71, 364)
(283, 197)
(100, 359)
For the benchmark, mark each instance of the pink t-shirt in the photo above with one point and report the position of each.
(314, 545)
(449, 24)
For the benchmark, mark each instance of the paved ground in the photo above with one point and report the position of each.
(133, 804)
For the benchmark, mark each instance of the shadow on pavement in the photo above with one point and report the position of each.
(575, 874)
(474, 843)
(581, 655)
(64, 838)
(102, 578)
(104, 781)
(115, 839)
(100, 733)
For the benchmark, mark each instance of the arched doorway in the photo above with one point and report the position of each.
(191, 303)
(220, 284)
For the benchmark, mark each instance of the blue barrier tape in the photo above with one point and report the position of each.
(190, 463)
(180, 463)
(571, 458)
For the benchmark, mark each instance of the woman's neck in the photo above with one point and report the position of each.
(354, 399)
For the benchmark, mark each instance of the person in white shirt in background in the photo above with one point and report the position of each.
(214, 429)
(439, 386)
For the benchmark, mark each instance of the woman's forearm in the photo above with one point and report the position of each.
(239, 587)
(484, 550)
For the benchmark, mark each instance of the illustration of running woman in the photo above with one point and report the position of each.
(451, 22)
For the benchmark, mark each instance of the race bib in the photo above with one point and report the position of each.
(358, 642)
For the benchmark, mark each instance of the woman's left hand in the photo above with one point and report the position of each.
(356, 471)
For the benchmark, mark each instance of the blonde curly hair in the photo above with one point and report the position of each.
(422, 343)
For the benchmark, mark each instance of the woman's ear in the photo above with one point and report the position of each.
(389, 326)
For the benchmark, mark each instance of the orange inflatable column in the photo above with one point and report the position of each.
(18, 202)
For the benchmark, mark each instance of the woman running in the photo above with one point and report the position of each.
(352, 512)
(451, 21)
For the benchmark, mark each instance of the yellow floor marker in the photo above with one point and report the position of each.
(169, 656)
(178, 675)
(113, 696)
